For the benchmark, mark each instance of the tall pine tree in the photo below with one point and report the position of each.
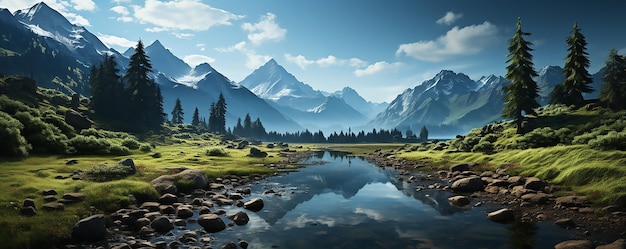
(613, 93)
(195, 119)
(145, 99)
(177, 112)
(106, 88)
(577, 78)
(520, 95)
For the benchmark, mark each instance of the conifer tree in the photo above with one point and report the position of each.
(238, 129)
(613, 92)
(105, 88)
(521, 93)
(577, 78)
(195, 119)
(177, 112)
(145, 99)
(247, 125)
(423, 134)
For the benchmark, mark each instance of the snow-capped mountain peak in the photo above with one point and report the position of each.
(272, 81)
(448, 82)
(164, 61)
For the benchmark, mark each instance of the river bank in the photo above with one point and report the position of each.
(593, 225)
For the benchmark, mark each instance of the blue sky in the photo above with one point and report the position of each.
(377, 47)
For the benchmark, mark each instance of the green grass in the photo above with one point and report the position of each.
(27, 178)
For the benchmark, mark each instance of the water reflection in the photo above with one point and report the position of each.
(345, 202)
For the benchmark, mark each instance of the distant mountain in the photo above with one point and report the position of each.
(309, 107)
(165, 62)
(446, 104)
(352, 98)
(47, 22)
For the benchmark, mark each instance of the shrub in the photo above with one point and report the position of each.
(43, 137)
(483, 146)
(216, 151)
(611, 141)
(13, 143)
(56, 120)
(119, 150)
(145, 148)
(89, 145)
(105, 172)
(131, 143)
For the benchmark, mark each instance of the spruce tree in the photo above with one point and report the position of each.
(423, 134)
(577, 78)
(177, 112)
(195, 119)
(145, 99)
(238, 129)
(521, 93)
(106, 88)
(247, 125)
(220, 114)
(613, 92)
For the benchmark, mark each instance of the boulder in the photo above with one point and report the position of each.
(90, 229)
(254, 152)
(565, 223)
(618, 244)
(240, 218)
(129, 164)
(166, 184)
(242, 144)
(49, 192)
(212, 223)
(574, 244)
(534, 183)
(73, 197)
(53, 206)
(468, 184)
(150, 206)
(168, 199)
(460, 167)
(28, 211)
(77, 120)
(28, 203)
(184, 212)
(537, 198)
(572, 201)
(162, 224)
(254, 205)
(504, 215)
(459, 200)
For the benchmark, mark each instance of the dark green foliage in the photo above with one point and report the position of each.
(577, 78)
(13, 143)
(612, 141)
(59, 122)
(177, 113)
(195, 119)
(613, 92)
(217, 116)
(145, 148)
(43, 137)
(145, 105)
(107, 90)
(131, 144)
(89, 145)
(216, 151)
(520, 95)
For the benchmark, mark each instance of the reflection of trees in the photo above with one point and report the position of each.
(522, 234)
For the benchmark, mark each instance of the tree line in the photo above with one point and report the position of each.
(521, 93)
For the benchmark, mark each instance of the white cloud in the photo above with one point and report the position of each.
(62, 6)
(77, 19)
(253, 60)
(377, 68)
(182, 35)
(197, 59)
(120, 10)
(370, 213)
(84, 5)
(201, 46)
(622, 51)
(327, 61)
(182, 15)
(265, 30)
(449, 18)
(457, 41)
(121, 1)
(111, 40)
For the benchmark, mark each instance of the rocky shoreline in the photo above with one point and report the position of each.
(527, 199)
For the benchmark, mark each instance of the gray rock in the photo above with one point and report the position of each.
(164, 184)
(537, 198)
(168, 199)
(74, 197)
(534, 183)
(459, 167)
(504, 215)
(254, 205)
(162, 224)
(77, 120)
(618, 244)
(611, 208)
(468, 184)
(130, 164)
(49, 198)
(212, 223)
(28, 211)
(240, 218)
(574, 244)
(184, 212)
(150, 206)
(53, 206)
(91, 229)
(459, 200)
(28, 203)
(198, 177)
(243, 244)
(572, 201)
(49, 192)
(229, 245)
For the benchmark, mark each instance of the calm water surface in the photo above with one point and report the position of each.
(346, 202)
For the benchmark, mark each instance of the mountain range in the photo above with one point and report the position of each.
(42, 44)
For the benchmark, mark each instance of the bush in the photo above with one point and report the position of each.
(131, 143)
(105, 172)
(611, 141)
(216, 151)
(145, 148)
(13, 143)
(56, 120)
(89, 145)
(119, 150)
(43, 137)
(483, 146)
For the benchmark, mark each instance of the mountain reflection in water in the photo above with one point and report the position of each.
(342, 201)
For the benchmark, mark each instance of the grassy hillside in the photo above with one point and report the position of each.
(583, 149)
